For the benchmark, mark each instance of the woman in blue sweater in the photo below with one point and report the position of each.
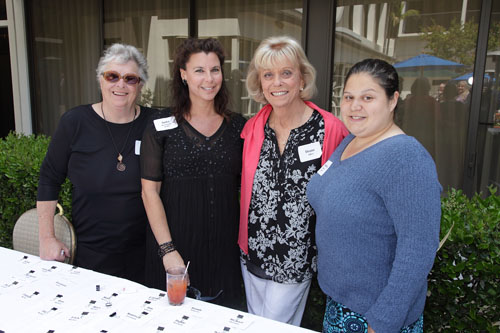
(377, 202)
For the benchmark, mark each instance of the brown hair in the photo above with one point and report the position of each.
(181, 104)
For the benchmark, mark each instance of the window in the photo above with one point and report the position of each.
(6, 101)
(65, 48)
(241, 26)
(156, 28)
(432, 44)
(67, 39)
(3, 10)
(488, 140)
(429, 12)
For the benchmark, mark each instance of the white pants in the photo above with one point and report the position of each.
(278, 301)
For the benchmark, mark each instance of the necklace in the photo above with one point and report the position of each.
(120, 166)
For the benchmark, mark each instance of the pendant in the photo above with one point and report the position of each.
(120, 166)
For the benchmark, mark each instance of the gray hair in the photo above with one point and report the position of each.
(123, 53)
(270, 53)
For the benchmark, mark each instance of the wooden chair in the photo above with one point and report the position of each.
(25, 234)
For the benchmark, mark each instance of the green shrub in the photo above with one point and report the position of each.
(20, 159)
(464, 284)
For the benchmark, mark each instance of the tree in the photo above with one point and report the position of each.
(458, 42)
(397, 14)
(400, 14)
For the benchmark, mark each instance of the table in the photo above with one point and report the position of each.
(49, 296)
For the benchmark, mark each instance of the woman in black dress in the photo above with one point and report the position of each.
(96, 146)
(190, 169)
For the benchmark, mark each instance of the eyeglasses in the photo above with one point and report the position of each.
(113, 77)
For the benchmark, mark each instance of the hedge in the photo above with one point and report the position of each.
(20, 159)
(464, 284)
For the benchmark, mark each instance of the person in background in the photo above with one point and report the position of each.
(190, 167)
(451, 138)
(378, 213)
(440, 94)
(463, 92)
(285, 144)
(96, 146)
(420, 115)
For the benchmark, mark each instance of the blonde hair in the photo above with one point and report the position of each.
(273, 51)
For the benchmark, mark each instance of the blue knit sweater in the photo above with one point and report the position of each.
(378, 215)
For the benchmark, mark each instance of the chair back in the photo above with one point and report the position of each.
(25, 234)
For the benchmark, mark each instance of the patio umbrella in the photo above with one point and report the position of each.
(464, 77)
(467, 77)
(427, 65)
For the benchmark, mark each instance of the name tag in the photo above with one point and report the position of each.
(325, 167)
(138, 147)
(309, 152)
(163, 124)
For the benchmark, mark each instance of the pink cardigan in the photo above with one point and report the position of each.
(253, 134)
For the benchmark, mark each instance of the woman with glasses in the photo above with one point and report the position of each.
(190, 169)
(96, 146)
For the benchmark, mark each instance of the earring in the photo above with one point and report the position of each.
(301, 88)
(184, 82)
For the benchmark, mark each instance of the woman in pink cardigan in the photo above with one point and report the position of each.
(285, 144)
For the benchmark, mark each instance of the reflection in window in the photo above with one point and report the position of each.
(6, 100)
(429, 12)
(488, 144)
(67, 44)
(156, 28)
(65, 51)
(432, 45)
(241, 26)
(3, 10)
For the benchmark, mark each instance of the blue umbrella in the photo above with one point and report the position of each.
(464, 77)
(427, 62)
(467, 76)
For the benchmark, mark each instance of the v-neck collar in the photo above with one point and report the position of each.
(204, 137)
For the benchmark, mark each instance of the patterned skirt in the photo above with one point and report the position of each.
(339, 319)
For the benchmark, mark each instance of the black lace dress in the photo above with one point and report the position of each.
(200, 192)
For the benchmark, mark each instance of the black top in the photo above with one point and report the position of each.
(281, 221)
(200, 192)
(107, 210)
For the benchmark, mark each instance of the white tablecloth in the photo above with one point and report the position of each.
(48, 296)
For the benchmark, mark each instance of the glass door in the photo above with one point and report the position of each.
(432, 45)
(488, 139)
(156, 28)
(65, 44)
(241, 26)
(7, 119)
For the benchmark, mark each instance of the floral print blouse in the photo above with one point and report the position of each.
(281, 221)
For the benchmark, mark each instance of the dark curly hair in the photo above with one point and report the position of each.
(181, 104)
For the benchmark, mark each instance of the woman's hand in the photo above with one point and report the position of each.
(370, 330)
(50, 247)
(172, 259)
(53, 249)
